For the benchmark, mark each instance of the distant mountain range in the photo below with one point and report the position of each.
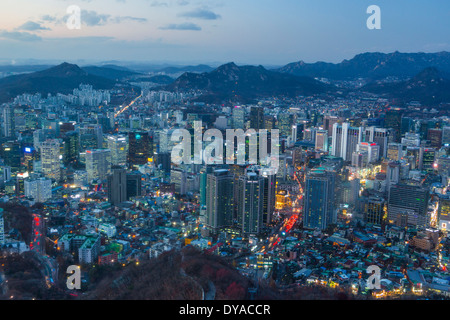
(372, 66)
(194, 69)
(245, 83)
(110, 72)
(60, 79)
(430, 87)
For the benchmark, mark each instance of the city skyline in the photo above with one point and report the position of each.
(184, 32)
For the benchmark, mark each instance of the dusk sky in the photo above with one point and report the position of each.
(244, 31)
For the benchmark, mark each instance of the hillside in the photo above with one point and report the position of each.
(372, 65)
(60, 79)
(245, 83)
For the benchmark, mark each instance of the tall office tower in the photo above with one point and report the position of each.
(219, 200)
(392, 173)
(71, 147)
(118, 145)
(446, 135)
(372, 150)
(203, 182)
(37, 242)
(374, 210)
(178, 177)
(407, 125)
(393, 120)
(11, 154)
(435, 137)
(411, 140)
(345, 140)
(98, 164)
(88, 142)
(413, 155)
(428, 157)
(40, 190)
(329, 121)
(105, 123)
(309, 134)
(41, 135)
(319, 199)
(134, 185)
(285, 120)
(256, 118)
(269, 195)
(2, 228)
(443, 213)
(50, 159)
(322, 140)
(395, 151)
(238, 117)
(66, 127)
(8, 122)
(379, 136)
(139, 148)
(117, 186)
(91, 130)
(408, 206)
(269, 122)
(251, 203)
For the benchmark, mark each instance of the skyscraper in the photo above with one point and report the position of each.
(117, 186)
(319, 199)
(40, 190)
(98, 164)
(8, 122)
(140, 148)
(250, 203)
(345, 140)
(50, 159)
(119, 149)
(408, 205)
(256, 118)
(219, 200)
(393, 120)
(238, 117)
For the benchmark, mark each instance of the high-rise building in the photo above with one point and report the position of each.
(345, 140)
(219, 200)
(435, 137)
(178, 177)
(256, 118)
(428, 157)
(238, 117)
(370, 151)
(379, 136)
(322, 140)
(408, 206)
(139, 148)
(374, 210)
(71, 147)
(40, 190)
(285, 121)
(11, 154)
(98, 164)
(411, 140)
(393, 120)
(250, 203)
(446, 135)
(117, 186)
(444, 213)
(2, 228)
(395, 151)
(118, 145)
(91, 130)
(8, 122)
(50, 159)
(319, 199)
(134, 185)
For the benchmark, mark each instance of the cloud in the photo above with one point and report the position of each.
(182, 26)
(92, 18)
(32, 26)
(203, 14)
(127, 18)
(159, 4)
(19, 36)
